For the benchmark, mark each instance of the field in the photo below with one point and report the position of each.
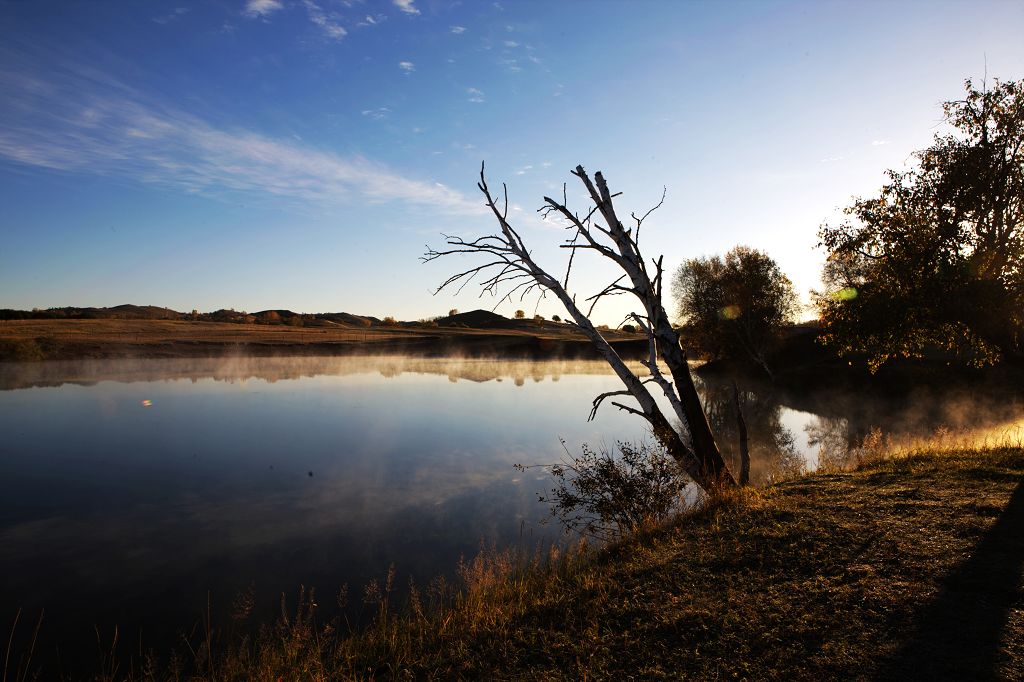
(29, 340)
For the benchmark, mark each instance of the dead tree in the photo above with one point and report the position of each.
(509, 265)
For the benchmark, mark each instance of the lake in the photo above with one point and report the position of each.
(131, 492)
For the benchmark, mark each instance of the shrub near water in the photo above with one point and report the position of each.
(607, 495)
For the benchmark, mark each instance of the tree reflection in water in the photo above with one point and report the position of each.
(773, 449)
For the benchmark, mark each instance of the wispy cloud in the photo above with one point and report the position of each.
(377, 114)
(407, 6)
(328, 24)
(511, 43)
(475, 95)
(84, 122)
(879, 143)
(262, 8)
(176, 13)
(457, 29)
(510, 65)
(408, 67)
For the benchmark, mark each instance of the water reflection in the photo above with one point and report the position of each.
(772, 445)
(130, 489)
(272, 370)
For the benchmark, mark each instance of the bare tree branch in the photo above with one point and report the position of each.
(511, 268)
(640, 221)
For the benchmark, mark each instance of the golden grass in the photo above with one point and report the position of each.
(906, 566)
(29, 340)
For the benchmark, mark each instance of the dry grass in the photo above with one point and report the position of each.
(29, 340)
(145, 332)
(908, 567)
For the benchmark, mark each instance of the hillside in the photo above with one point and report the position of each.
(110, 333)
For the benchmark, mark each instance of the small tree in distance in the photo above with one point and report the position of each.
(509, 269)
(520, 314)
(734, 307)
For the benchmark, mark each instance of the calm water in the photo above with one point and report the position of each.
(130, 490)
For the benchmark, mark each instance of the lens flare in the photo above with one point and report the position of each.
(845, 294)
(730, 312)
(147, 403)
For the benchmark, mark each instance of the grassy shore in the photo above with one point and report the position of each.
(36, 340)
(907, 568)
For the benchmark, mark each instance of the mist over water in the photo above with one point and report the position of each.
(131, 489)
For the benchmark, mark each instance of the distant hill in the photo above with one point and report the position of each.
(128, 311)
(479, 319)
(349, 320)
(474, 319)
(125, 311)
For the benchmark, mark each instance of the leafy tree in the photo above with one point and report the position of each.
(453, 312)
(734, 307)
(520, 314)
(936, 260)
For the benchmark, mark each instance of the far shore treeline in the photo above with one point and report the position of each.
(150, 312)
(476, 318)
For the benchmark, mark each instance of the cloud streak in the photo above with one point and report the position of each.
(82, 121)
(261, 8)
(330, 27)
(407, 6)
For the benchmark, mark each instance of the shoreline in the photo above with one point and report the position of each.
(907, 565)
(68, 340)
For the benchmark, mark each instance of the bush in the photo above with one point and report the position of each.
(389, 321)
(604, 495)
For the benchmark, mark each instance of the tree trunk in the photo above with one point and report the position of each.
(741, 425)
(710, 458)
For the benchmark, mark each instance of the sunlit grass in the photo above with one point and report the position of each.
(833, 575)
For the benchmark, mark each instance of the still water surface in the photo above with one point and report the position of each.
(130, 490)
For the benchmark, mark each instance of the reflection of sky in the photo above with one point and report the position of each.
(796, 421)
(130, 513)
(108, 501)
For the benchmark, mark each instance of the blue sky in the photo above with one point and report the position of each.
(301, 153)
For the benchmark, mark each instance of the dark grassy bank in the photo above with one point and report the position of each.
(908, 568)
(76, 339)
